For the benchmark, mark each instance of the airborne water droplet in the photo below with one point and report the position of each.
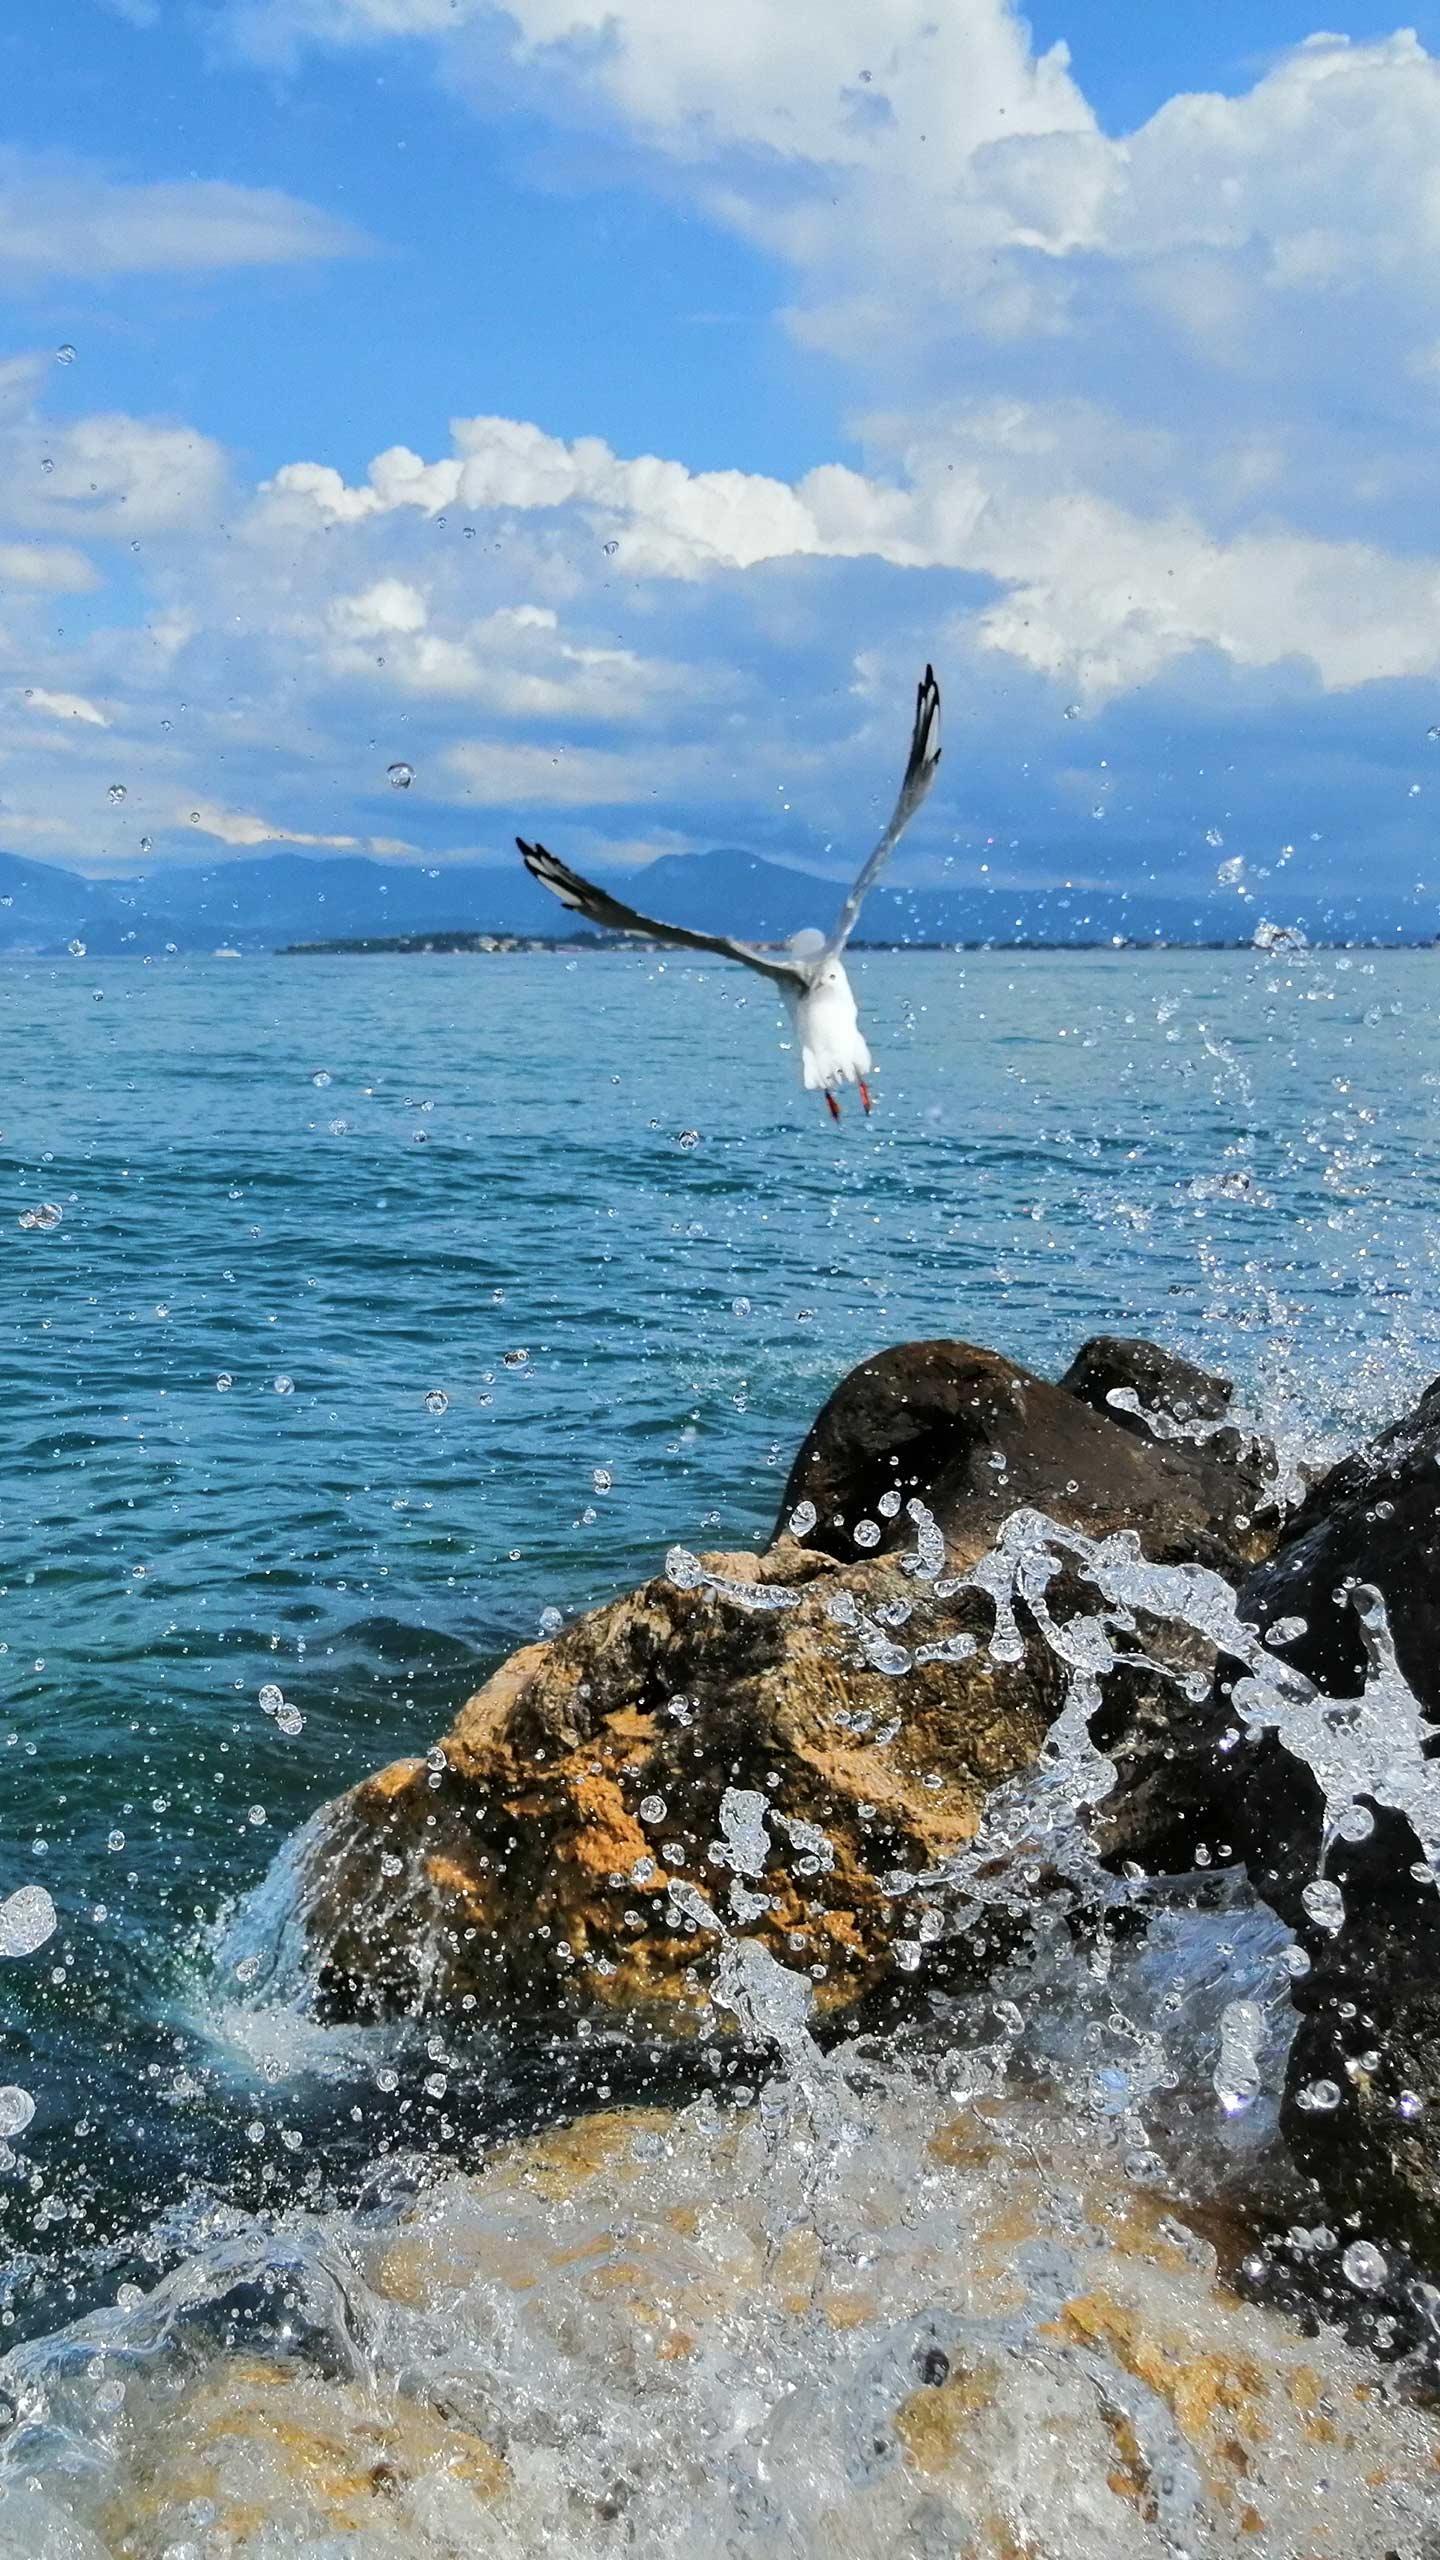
(16, 2109)
(399, 776)
(27, 1919)
(65, 354)
(116, 791)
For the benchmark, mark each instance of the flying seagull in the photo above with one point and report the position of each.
(807, 969)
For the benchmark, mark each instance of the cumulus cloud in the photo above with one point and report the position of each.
(516, 661)
(63, 217)
(109, 474)
(1086, 589)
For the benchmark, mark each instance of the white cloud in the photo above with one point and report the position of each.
(239, 828)
(515, 661)
(500, 774)
(111, 474)
(52, 567)
(63, 217)
(63, 706)
(1090, 590)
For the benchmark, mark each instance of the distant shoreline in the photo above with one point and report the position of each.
(507, 945)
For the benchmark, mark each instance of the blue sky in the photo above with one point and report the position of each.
(606, 408)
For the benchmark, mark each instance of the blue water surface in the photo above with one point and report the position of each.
(395, 1301)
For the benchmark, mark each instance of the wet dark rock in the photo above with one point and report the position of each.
(1374, 1518)
(974, 1436)
(1362, 2102)
(1161, 1396)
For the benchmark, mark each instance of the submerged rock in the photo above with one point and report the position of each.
(974, 1435)
(825, 2325)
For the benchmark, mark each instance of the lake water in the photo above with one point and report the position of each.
(396, 1301)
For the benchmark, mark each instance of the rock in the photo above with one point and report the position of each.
(1374, 1518)
(1163, 1397)
(750, 1742)
(946, 2327)
(1362, 2106)
(973, 1435)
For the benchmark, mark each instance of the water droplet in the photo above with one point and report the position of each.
(284, 1386)
(288, 1719)
(16, 2109)
(653, 1808)
(116, 791)
(1365, 2266)
(322, 1077)
(610, 549)
(27, 1919)
(516, 1359)
(48, 1215)
(399, 776)
(65, 354)
(1072, 710)
(256, 1816)
(1231, 873)
(687, 1138)
(145, 844)
(46, 464)
(76, 950)
(272, 1698)
(1213, 836)
(437, 1401)
(867, 1533)
(602, 1479)
(224, 1383)
(740, 1306)
(1325, 1903)
(1318, 2097)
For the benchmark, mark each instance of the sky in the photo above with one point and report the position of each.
(601, 410)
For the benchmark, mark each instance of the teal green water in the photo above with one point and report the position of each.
(556, 1262)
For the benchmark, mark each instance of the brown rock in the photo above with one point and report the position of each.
(593, 1775)
(974, 1436)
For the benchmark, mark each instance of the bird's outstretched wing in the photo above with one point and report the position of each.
(919, 774)
(600, 908)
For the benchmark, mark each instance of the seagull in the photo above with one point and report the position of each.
(807, 969)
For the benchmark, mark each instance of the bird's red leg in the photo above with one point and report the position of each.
(865, 1096)
(833, 1105)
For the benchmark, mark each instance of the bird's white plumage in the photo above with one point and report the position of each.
(833, 1048)
(808, 970)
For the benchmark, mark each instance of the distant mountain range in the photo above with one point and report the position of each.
(265, 901)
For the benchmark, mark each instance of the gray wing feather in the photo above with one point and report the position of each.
(919, 774)
(599, 907)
